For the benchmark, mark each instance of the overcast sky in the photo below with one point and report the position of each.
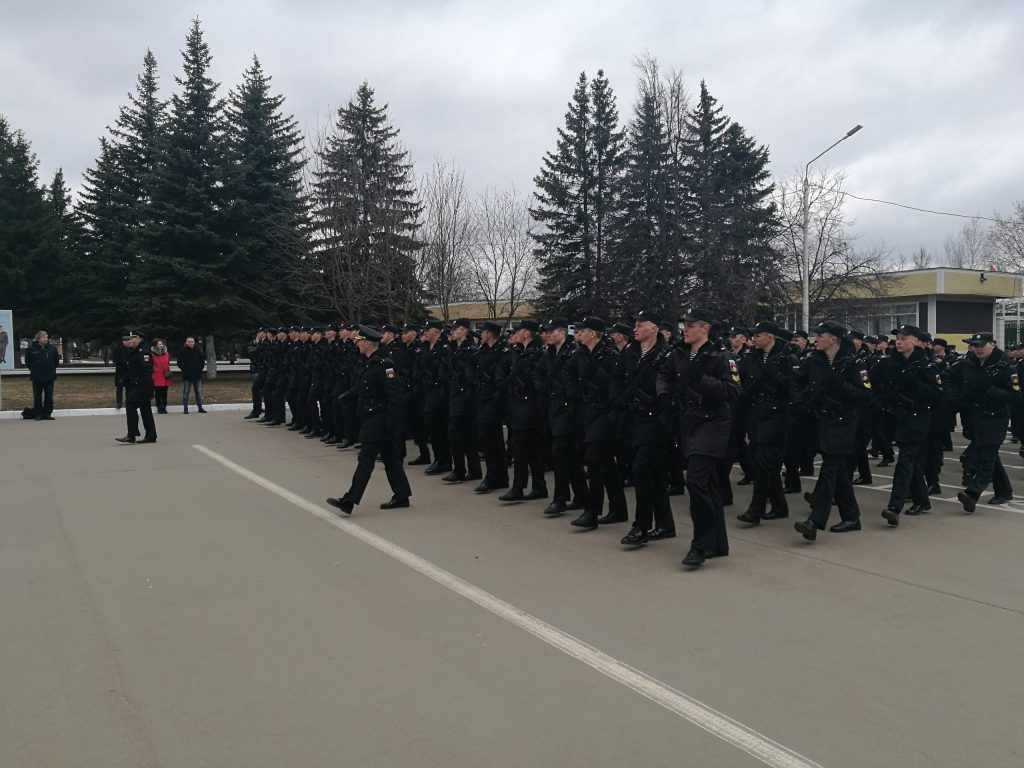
(937, 85)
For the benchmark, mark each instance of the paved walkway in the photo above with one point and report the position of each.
(168, 606)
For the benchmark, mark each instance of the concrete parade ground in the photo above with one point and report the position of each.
(195, 603)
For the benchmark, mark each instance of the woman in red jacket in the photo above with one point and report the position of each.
(161, 373)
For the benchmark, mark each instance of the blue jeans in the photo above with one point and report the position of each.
(188, 385)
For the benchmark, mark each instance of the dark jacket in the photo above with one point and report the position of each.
(706, 387)
(139, 378)
(490, 372)
(120, 358)
(41, 361)
(767, 390)
(380, 392)
(833, 392)
(598, 378)
(985, 392)
(191, 363)
(638, 395)
(461, 374)
(556, 377)
(524, 397)
(907, 389)
(432, 371)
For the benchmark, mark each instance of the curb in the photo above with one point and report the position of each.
(65, 412)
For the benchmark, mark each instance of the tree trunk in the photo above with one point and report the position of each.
(211, 357)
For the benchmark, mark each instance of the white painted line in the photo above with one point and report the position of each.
(714, 722)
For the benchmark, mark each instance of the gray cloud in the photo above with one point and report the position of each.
(486, 83)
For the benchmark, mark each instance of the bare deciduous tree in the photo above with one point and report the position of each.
(448, 231)
(970, 248)
(504, 263)
(1007, 239)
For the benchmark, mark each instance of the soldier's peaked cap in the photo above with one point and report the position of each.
(699, 316)
(648, 316)
(979, 338)
(530, 325)
(368, 333)
(767, 326)
(462, 322)
(391, 329)
(129, 334)
(593, 323)
(832, 327)
(492, 326)
(624, 329)
(557, 322)
(435, 324)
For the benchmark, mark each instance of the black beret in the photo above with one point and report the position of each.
(980, 338)
(767, 326)
(593, 323)
(647, 316)
(832, 327)
(530, 325)
(367, 332)
(699, 316)
(492, 326)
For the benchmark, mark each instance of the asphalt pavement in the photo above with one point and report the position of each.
(181, 606)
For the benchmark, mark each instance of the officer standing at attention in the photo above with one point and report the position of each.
(707, 383)
(490, 407)
(380, 394)
(650, 429)
(461, 379)
(907, 384)
(833, 385)
(138, 391)
(525, 423)
(556, 377)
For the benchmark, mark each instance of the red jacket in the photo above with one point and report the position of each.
(161, 369)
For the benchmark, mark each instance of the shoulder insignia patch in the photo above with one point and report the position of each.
(146, 358)
(1015, 382)
(389, 372)
(865, 379)
(734, 371)
(938, 380)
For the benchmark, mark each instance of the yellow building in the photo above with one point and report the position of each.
(478, 312)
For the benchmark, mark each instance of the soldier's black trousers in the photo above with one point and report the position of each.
(492, 443)
(908, 478)
(146, 409)
(859, 457)
(462, 438)
(313, 420)
(326, 414)
(603, 476)
(568, 464)
(275, 402)
(257, 396)
(528, 458)
(435, 424)
(652, 504)
(292, 398)
(834, 482)
(766, 466)
(706, 510)
(388, 451)
(984, 462)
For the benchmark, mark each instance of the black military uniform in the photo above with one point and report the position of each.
(833, 389)
(255, 351)
(597, 380)
(138, 393)
(120, 359)
(766, 376)
(649, 432)
(432, 370)
(525, 417)
(316, 366)
(986, 389)
(707, 382)
(461, 381)
(908, 386)
(801, 441)
(491, 402)
(379, 394)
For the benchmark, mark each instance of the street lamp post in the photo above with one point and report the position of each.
(805, 266)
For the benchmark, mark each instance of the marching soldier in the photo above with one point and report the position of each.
(406, 353)
(490, 407)
(649, 424)
(707, 383)
(525, 424)
(621, 336)
(555, 377)
(766, 377)
(256, 351)
(316, 366)
(908, 386)
(987, 388)
(461, 375)
(138, 391)
(833, 386)
(379, 393)
(276, 379)
(432, 369)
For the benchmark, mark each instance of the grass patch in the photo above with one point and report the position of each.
(97, 391)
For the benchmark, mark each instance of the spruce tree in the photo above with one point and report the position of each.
(30, 251)
(64, 299)
(363, 262)
(608, 143)
(265, 206)
(182, 285)
(563, 206)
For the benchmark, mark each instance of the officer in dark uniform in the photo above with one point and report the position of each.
(378, 392)
(525, 415)
(256, 374)
(738, 450)
(859, 461)
(908, 387)
(766, 375)
(833, 385)
(491, 404)
(405, 351)
(138, 391)
(800, 444)
(120, 357)
(316, 359)
(325, 403)
(461, 384)
(650, 425)
(621, 336)
(432, 370)
(596, 368)
(882, 439)
(706, 382)
(276, 380)
(557, 376)
(986, 387)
